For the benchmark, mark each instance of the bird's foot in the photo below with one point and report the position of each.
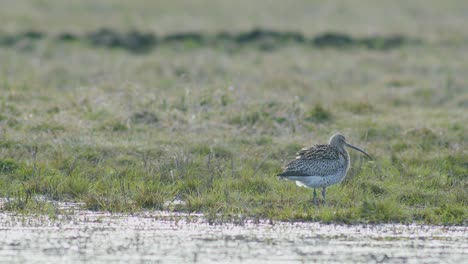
(315, 201)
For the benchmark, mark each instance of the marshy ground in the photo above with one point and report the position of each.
(130, 106)
(156, 237)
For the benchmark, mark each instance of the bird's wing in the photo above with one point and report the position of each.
(292, 173)
(318, 160)
(319, 152)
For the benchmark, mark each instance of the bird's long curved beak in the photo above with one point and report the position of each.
(358, 149)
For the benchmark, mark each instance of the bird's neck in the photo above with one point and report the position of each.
(345, 155)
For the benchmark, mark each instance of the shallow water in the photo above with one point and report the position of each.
(160, 237)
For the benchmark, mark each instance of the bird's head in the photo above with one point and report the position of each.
(339, 141)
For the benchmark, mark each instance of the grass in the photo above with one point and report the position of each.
(211, 126)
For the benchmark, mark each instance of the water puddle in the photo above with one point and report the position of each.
(163, 237)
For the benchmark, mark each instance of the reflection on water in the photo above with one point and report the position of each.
(159, 237)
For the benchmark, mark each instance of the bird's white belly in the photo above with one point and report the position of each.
(318, 181)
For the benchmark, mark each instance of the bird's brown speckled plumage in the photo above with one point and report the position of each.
(320, 165)
(319, 151)
(318, 160)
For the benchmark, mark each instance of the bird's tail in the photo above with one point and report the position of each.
(282, 176)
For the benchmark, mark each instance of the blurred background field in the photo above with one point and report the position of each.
(195, 106)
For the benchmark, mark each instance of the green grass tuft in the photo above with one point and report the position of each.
(318, 114)
(8, 166)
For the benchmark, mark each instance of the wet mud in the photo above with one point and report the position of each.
(164, 237)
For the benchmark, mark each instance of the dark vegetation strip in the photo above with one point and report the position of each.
(267, 40)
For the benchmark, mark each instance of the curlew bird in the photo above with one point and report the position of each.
(320, 165)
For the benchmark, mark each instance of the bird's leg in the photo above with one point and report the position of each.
(323, 194)
(315, 197)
